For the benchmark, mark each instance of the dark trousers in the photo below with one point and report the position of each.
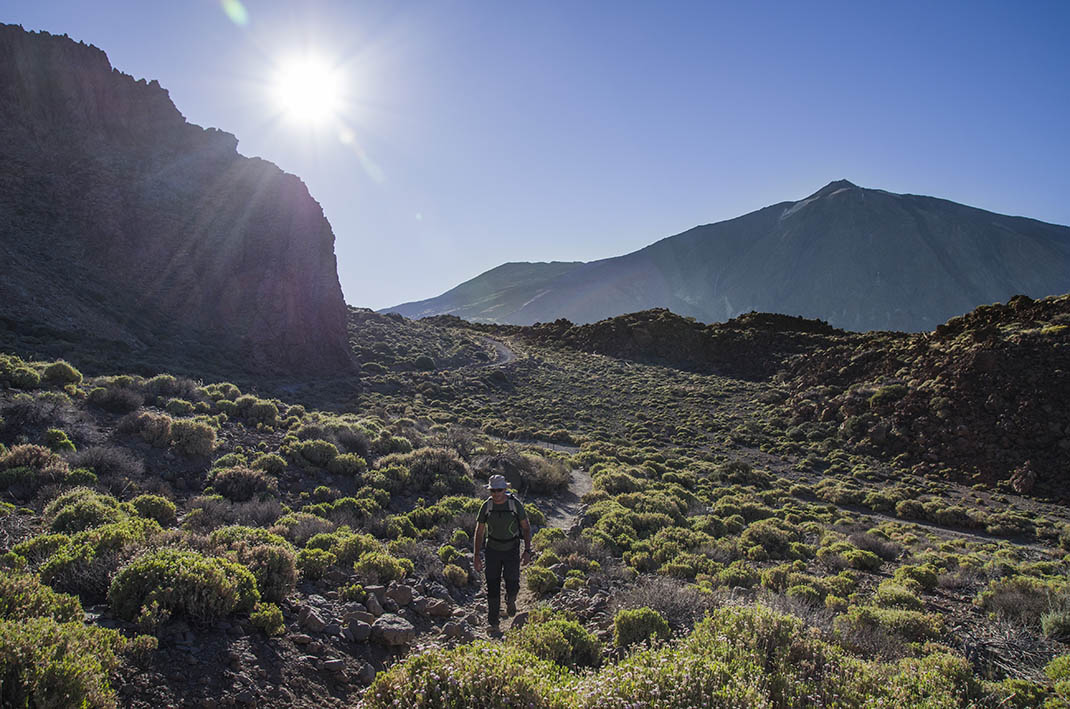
(500, 564)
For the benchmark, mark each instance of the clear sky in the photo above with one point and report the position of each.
(469, 133)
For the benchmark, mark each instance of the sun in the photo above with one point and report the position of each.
(308, 90)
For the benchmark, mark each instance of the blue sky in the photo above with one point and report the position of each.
(482, 132)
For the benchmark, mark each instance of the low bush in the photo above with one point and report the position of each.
(45, 663)
(155, 507)
(192, 438)
(58, 442)
(541, 581)
(81, 508)
(169, 582)
(23, 596)
(270, 463)
(455, 575)
(636, 625)
(478, 674)
(378, 567)
(240, 484)
(911, 625)
(267, 618)
(314, 563)
(116, 398)
(348, 464)
(86, 561)
(561, 641)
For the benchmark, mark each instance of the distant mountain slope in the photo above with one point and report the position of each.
(133, 235)
(862, 259)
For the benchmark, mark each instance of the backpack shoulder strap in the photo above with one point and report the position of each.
(513, 507)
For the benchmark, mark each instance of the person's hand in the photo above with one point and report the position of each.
(477, 562)
(526, 557)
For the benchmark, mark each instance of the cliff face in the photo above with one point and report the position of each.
(123, 225)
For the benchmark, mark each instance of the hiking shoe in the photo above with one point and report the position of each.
(510, 608)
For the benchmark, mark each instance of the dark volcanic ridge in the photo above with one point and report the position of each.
(135, 236)
(861, 259)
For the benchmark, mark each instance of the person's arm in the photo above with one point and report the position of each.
(477, 549)
(525, 529)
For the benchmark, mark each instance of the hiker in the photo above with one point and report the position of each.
(503, 520)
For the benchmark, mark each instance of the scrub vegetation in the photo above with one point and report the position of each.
(700, 539)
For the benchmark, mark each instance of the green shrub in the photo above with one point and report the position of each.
(892, 594)
(911, 625)
(430, 466)
(274, 567)
(631, 626)
(44, 663)
(87, 561)
(378, 567)
(24, 378)
(316, 453)
(179, 407)
(561, 641)
(240, 484)
(116, 398)
(348, 464)
(541, 581)
(58, 442)
(154, 429)
(267, 618)
(192, 438)
(24, 596)
(186, 583)
(1023, 598)
(270, 463)
(455, 575)
(862, 560)
(924, 574)
(478, 674)
(61, 372)
(264, 412)
(314, 563)
(155, 507)
(1056, 624)
(81, 508)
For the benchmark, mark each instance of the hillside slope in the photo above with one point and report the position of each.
(862, 259)
(127, 230)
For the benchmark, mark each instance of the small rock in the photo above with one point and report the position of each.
(374, 606)
(359, 630)
(333, 629)
(378, 591)
(390, 605)
(366, 675)
(392, 630)
(311, 620)
(335, 665)
(363, 616)
(400, 594)
(301, 639)
(246, 696)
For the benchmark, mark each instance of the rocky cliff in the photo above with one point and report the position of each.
(126, 230)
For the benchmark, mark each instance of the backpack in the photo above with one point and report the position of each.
(514, 508)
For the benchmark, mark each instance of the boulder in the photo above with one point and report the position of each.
(392, 630)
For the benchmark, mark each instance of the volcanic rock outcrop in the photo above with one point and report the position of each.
(130, 233)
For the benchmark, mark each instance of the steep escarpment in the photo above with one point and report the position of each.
(131, 235)
(983, 396)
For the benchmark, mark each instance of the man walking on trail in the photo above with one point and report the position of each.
(503, 521)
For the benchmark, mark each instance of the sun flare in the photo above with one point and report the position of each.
(308, 90)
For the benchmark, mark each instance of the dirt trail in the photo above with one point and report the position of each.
(504, 352)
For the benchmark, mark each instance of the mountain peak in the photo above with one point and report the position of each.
(833, 187)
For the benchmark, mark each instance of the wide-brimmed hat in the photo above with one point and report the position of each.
(497, 482)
